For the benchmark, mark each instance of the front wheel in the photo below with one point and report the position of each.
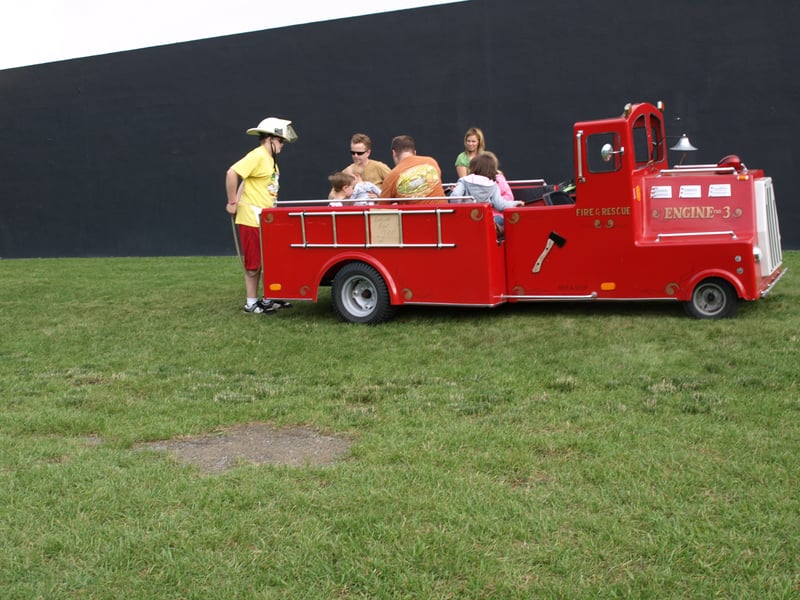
(713, 298)
(360, 295)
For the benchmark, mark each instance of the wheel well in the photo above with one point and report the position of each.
(714, 274)
(331, 268)
(331, 271)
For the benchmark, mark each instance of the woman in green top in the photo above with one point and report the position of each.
(474, 144)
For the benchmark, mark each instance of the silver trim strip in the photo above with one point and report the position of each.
(772, 285)
(695, 234)
(372, 245)
(697, 170)
(591, 296)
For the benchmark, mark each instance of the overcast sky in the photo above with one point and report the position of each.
(39, 31)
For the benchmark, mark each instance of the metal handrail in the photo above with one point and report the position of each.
(695, 234)
(512, 182)
(581, 178)
(700, 169)
(366, 214)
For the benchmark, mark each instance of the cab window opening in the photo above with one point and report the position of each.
(657, 140)
(594, 152)
(641, 145)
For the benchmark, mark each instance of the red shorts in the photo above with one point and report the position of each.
(251, 247)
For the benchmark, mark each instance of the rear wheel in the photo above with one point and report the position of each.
(360, 295)
(713, 298)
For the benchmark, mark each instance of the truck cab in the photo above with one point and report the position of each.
(630, 228)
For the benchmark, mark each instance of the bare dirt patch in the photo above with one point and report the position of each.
(256, 443)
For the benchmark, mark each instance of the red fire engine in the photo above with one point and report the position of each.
(631, 228)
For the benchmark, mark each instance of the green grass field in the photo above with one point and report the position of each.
(531, 451)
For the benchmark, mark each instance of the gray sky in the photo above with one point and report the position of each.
(39, 31)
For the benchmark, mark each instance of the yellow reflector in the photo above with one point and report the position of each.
(275, 287)
(608, 286)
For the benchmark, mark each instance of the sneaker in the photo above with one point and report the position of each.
(259, 308)
(280, 303)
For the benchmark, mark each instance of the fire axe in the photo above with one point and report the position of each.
(552, 240)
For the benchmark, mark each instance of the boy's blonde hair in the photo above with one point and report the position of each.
(361, 138)
(340, 179)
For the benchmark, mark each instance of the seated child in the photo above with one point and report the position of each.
(481, 184)
(502, 182)
(342, 187)
(351, 187)
(364, 190)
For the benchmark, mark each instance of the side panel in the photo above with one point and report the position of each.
(726, 220)
(600, 259)
(446, 254)
(681, 207)
(580, 250)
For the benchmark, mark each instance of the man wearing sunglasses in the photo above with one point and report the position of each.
(374, 171)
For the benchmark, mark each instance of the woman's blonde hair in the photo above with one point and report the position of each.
(478, 134)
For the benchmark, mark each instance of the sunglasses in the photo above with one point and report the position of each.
(357, 153)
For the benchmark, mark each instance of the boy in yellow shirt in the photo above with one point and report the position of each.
(260, 178)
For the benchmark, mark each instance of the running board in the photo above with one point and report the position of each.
(591, 296)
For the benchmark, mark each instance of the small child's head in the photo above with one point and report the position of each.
(358, 172)
(341, 180)
(484, 164)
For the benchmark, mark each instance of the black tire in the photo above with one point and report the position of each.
(360, 295)
(713, 298)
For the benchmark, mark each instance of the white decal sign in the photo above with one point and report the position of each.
(719, 190)
(660, 192)
(691, 191)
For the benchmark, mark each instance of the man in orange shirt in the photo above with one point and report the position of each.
(417, 178)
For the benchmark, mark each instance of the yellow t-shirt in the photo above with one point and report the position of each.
(261, 178)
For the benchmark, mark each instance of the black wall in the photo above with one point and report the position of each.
(125, 154)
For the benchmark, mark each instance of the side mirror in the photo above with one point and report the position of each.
(607, 152)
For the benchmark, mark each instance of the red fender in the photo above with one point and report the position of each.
(337, 262)
(686, 292)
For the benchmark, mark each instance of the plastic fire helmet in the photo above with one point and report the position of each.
(274, 126)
